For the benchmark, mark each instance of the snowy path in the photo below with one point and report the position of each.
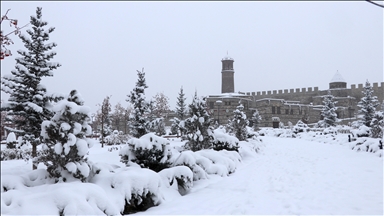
(290, 176)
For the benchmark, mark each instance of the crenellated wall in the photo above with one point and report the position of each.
(295, 104)
(303, 93)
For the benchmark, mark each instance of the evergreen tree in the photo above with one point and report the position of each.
(367, 105)
(65, 138)
(178, 122)
(377, 125)
(239, 123)
(329, 111)
(180, 105)
(105, 119)
(198, 130)
(256, 119)
(138, 118)
(29, 102)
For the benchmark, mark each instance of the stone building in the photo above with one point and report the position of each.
(288, 105)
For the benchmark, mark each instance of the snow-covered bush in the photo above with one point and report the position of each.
(149, 151)
(367, 144)
(209, 161)
(116, 138)
(65, 139)
(239, 123)
(130, 189)
(15, 154)
(300, 127)
(157, 126)
(198, 126)
(191, 160)
(11, 141)
(330, 130)
(222, 140)
(362, 131)
(182, 176)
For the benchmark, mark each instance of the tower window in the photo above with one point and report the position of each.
(273, 110)
(278, 110)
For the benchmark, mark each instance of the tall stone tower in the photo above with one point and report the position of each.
(227, 75)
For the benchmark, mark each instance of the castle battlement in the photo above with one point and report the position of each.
(361, 86)
(282, 92)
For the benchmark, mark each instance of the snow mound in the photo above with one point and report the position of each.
(182, 176)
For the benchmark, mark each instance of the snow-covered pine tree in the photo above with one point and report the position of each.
(256, 119)
(29, 103)
(180, 105)
(329, 111)
(239, 123)
(367, 105)
(138, 121)
(105, 118)
(178, 121)
(65, 138)
(377, 125)
(198, 125)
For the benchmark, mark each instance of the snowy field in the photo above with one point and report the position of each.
(288, 176)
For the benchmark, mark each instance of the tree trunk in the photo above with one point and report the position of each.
(102, 132)
(34, 154)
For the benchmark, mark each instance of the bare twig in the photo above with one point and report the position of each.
(382, 6)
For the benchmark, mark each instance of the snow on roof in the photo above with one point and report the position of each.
(337, 78)
(228, 95)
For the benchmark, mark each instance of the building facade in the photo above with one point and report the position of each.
(286, 105)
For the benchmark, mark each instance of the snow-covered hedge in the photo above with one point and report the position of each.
(130, 189)
(181, 176)
(149, 151)
(222, 140)
(111, 191)
(300, 127)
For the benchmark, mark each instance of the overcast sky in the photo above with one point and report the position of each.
(275, 45)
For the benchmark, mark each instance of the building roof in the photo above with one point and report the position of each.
(227, 57)
(337, 78)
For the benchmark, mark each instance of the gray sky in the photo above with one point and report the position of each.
(275, 45)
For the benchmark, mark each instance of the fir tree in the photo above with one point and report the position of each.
(138, 120)
(180, 105)
(367, 105)
(198, 130)
(256, 118)
(65, 138)
(377, 125)
(29, 102)
(329, 111)
(178, 122)
(105, 119)
(239, 123)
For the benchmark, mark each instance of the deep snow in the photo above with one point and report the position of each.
(288, 176)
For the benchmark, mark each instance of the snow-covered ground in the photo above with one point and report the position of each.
(288, 176)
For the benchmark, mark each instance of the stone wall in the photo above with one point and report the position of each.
(308, 100)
